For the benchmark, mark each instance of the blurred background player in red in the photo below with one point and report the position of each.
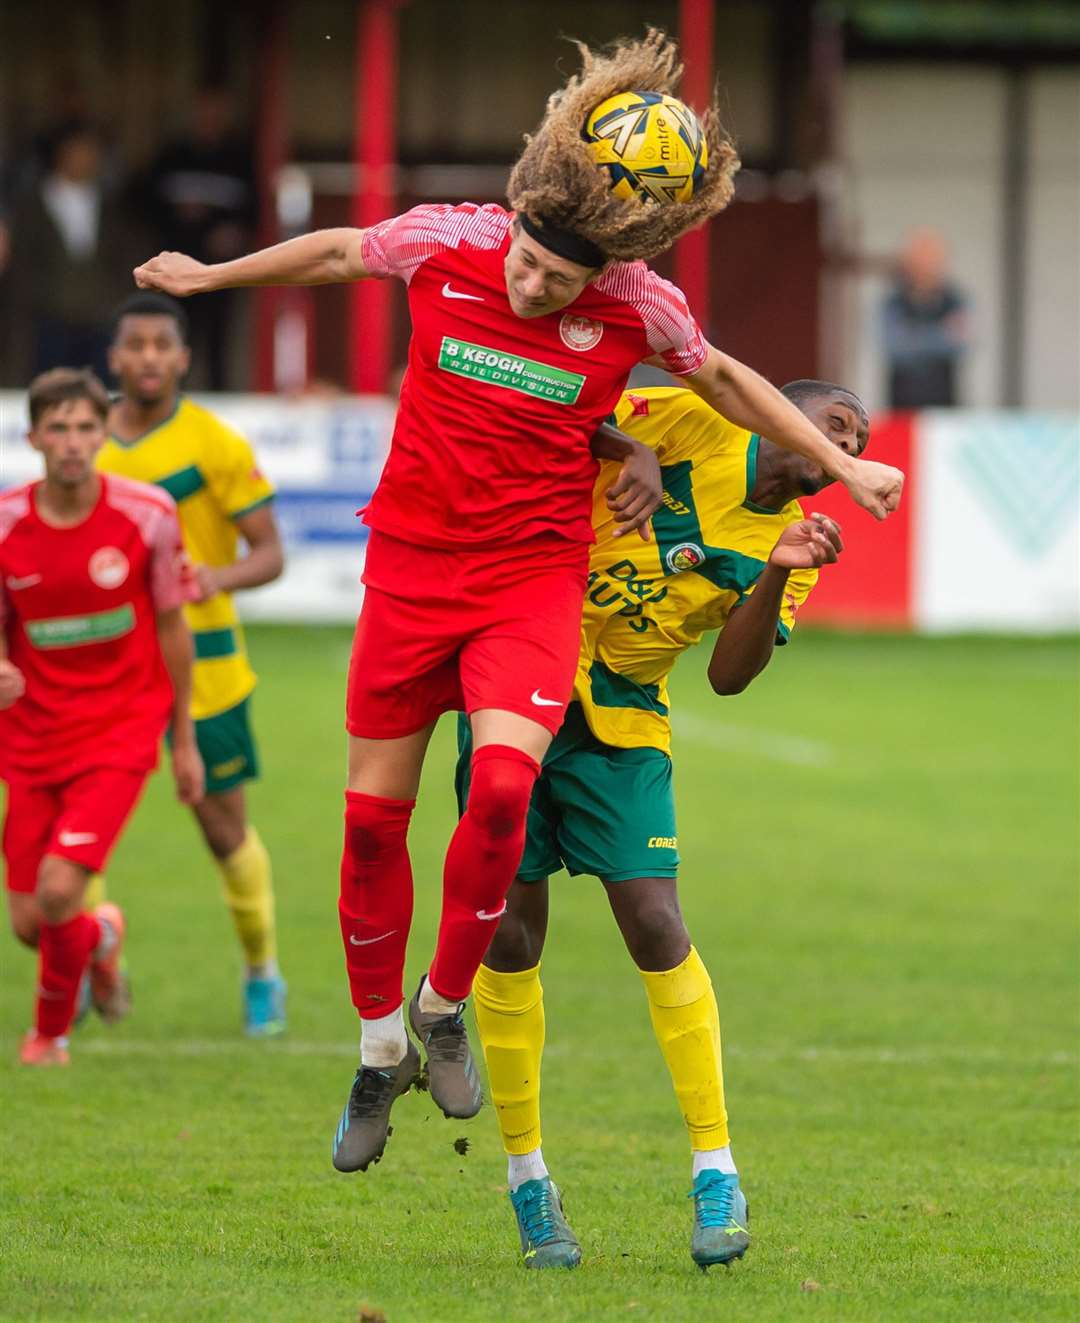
(526, 324)
(95, 662)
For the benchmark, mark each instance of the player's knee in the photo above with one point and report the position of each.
(655, 933)
(374, 827)
(499, 795)
(59, 888)
(26, 927)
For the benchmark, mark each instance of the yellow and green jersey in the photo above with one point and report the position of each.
(647, 602)
(211, 473)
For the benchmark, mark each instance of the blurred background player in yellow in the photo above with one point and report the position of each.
(732, 551)
(159, 436)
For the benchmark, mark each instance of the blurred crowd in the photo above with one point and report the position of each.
(75, 219)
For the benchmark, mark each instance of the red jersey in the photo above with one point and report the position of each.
(497, 411)
(78, 609)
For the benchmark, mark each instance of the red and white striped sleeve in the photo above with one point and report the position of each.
(400, 245)
(670, 328)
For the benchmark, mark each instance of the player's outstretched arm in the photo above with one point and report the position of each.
(739, 393)
(324, 257)
(174, 639)
(745, 645)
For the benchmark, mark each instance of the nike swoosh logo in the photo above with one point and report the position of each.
(496, 914)
(27, 581)
(544, 702)
(449, 293)
(77, 837)
(367, 941)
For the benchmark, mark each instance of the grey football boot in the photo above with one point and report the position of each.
(365, 1123)
(452, 1075)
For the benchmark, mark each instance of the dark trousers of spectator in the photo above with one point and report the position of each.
(64, 344)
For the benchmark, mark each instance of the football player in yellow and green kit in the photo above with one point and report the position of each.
(158, 435)
(732, 551)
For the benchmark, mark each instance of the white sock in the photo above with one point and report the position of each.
(383, 1042)
(269, 970)
(714, 1159)
(522, 1167)
(432, 1004)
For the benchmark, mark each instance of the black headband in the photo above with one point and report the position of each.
(563, 243)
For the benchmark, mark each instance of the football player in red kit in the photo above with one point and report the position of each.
(95, 662)
(525, 325)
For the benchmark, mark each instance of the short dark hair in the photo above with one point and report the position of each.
(807, 389)
(59, 385)
(148, 303)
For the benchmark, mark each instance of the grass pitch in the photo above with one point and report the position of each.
(880, 869)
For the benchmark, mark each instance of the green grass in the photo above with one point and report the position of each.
(891, 927)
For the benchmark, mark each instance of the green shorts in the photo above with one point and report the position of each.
(595, 809)
(227, 748)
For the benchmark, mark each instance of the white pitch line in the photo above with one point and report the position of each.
(791, 749)
(867, 1055)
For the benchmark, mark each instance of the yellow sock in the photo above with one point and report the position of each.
(510, 1017)
(95, 891)
(249, 894)
(687, 1026)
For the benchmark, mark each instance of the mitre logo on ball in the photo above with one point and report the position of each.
(108, 567)
(686, 556)
(579, 333)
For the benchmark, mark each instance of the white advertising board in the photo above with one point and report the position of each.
(323, 456)
(997, 522)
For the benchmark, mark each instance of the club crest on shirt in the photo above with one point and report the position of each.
(579, 333)
(686, 556)
(108, 567)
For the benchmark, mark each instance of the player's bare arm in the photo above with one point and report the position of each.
(177, 651)
(263, 563)
(637, 492)
(324, 257)
(746, 642)
(749, 401)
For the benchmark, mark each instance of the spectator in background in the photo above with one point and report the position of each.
(70, 253)
(201, 197)
(925, 326)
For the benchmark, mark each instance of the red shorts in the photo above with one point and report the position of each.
(444, 631)
(80, 820)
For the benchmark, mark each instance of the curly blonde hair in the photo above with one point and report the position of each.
(557, 181)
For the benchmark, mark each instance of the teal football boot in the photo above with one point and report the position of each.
(264, 1006)
(546, 1240)
(721, 1219)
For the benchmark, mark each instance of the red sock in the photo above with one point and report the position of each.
(376, 901)
(64, 951)
(481, 864)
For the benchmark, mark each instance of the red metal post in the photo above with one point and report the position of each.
(271, 150)
(375, 155)
(696, 45)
